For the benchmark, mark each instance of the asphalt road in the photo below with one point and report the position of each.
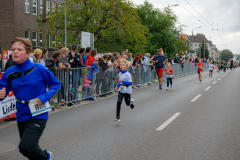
(192, 121)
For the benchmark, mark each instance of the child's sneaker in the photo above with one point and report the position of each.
(117, 119)
(132, 105)
(171, 86)
(50, 155)
(167, 88)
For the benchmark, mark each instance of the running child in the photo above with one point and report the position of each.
(124, 87)
(169, 75)
(200, 69)
(211, 67)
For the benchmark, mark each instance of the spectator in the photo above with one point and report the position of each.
(86, 85)
(9, 63)
(35, 57)
(136, 66)
(146, 68)
(63, 62)
(74, 58)
(88, 51)
(101, 76)
(91, 59)
(126, 51)
(1, 62)
(52, 63)
(59, 49)
(110, 71)
(176, 59)
(122, 54)
(83, 56)
(43, 57)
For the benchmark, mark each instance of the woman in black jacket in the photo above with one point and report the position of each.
(101, 76)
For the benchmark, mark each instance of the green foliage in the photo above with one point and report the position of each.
(113, 22)
(226, 55)
(238, 57)
(117, 25)
(200, 52)
(161, 25)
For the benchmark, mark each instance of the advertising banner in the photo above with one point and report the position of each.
(8, 107)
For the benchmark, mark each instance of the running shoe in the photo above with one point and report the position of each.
(160, 86)
(167, 88)
(132, 105)
(200, 80)
(50, 155)
(171, 86)
(117, 119)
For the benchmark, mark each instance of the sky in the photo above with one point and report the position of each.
(219, 19)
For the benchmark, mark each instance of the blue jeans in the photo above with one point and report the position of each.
(87, 90)
(169, 79)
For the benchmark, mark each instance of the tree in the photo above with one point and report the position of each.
(238, 57)
(200, 52)
(161, 25)
(226, 55)
(113, 22)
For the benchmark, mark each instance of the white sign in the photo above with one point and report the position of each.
(85, 39)
(8, 107)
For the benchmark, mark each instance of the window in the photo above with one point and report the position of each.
(59, 7)
(41, 6)
(34, 7)
(27, 34)
(27, 6)
(48, 7)
(40, 39)
(53, 7)
(34, 39)
(53, 40)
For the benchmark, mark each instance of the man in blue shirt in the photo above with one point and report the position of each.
(29, 81)
(159, 61)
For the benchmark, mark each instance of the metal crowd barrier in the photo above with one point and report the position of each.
(104, 82)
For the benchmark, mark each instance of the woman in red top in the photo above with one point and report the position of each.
(200, 69)
(91, 59)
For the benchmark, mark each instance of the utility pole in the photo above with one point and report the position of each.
(204, 48)
(44, 25)
(65, 27)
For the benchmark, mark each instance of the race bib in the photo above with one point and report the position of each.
(36, 110)
(169, 76)
(122, 88)
(200, 67)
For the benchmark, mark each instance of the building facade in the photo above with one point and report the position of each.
(18, 18)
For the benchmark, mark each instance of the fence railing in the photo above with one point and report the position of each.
(75, 89)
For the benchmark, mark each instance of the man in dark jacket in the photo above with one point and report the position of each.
(74, 58)
(10, 63)
(52, 63)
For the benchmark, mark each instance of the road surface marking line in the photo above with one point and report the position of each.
(165, 124)
(219, 78)
(194, 99)
(208, 88)
(215, 82)
(222, 76)
(225, 74)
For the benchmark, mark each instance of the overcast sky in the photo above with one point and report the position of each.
(220, 19)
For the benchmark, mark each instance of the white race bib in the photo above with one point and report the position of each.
(169, 75)
(36, 110)
(122, 88)
(200, 67)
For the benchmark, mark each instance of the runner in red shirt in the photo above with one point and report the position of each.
(200, 69)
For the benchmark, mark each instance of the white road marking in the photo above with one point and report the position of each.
(165, 124)
(194, 99)
(222, 76)
(208, 88)
(225, 74)
(215, 82)
(219, 78)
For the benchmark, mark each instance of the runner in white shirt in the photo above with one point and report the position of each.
(210, 68)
